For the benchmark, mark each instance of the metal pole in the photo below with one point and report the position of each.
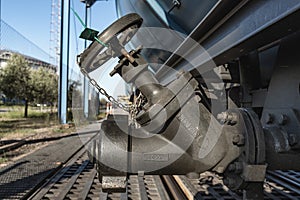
(64, 61)
(0, 25)
(86, 82)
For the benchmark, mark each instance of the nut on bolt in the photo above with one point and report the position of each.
(231, 167)
(230, 182)
(238, 139)
(292, 139)
(226, 181)
(283, 119)
(269, 119)
(236, 167)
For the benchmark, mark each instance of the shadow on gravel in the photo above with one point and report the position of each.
(13, 167)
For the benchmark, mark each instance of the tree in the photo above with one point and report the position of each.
(45, 86)
(19, 81)
(103, 102)
(15, 80)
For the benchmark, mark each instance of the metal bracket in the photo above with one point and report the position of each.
(88, 34)
(254, 173)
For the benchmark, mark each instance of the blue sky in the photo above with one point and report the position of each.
(32, 18)
(33, 23)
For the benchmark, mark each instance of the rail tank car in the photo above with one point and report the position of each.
(217, 87)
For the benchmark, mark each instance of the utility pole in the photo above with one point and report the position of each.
(0, 25)
(88, 4)
(64, 61)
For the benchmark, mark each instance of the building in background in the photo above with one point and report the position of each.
(34, 63)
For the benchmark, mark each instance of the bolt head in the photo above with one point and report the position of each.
(269, 119)
(231, 167)
(222, 117)
(238, 167)
(232, 118)
(238, 139)
(292, 139)
(283, 119)
(230, 182)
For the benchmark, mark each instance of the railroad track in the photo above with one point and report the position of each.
(78, 180)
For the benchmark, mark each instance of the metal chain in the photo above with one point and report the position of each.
(93, 81)
(134, 109)
(103, 92)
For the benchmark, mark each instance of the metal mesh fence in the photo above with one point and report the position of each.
(11, 39)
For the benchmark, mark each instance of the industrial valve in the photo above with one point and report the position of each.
(177, 134)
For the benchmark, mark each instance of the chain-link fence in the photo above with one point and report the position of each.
(12, 40)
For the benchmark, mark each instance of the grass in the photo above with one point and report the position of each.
(40, 124)
(13, 124)
(14, 112)
(3, 160)
(102, 115)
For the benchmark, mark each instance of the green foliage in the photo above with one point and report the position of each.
(19, 81)
(101, 115)
(18, 127)
(103, 102)
(3, 159)
(15, 79)
(16, 112)
(45, 86)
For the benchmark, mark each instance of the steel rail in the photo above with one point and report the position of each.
(78, 180)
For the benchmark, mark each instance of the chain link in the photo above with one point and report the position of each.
(103, 92)
(135, 108)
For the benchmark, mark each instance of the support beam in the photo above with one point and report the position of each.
(64, 61)
(88, 3)
(85, 80)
